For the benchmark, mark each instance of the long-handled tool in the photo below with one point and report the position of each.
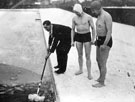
(36, 97)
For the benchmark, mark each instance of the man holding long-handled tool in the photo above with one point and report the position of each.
(59, 39)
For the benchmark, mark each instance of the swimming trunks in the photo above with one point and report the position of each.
(83, 37)
(100, 41)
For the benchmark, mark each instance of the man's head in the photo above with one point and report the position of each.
(96, 7)
(78, 9)
(47, 25)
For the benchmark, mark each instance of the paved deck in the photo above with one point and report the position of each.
(119, 86)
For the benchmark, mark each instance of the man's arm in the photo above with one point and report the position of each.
(93, 29)
(54, 44)
(108, 22)
(52, 47)
(73, 32)
(49, 46)
(49, 43)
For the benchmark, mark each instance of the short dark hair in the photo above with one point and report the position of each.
(47, 22)
(96, 4)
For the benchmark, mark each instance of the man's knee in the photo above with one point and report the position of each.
(98, 59)
(87, 57)
(102, 64)
(80, 55)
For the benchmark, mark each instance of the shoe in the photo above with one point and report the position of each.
(59, 72)
(56, 66)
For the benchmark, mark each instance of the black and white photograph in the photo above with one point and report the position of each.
(67, 50)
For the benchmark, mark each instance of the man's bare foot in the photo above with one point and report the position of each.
(90, 77)
(98, 80)
(98, 85)
(79, 72)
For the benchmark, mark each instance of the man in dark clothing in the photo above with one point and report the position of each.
(59, 39)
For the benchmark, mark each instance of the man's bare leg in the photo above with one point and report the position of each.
(87, 46)
(98, 60)
(103, 56)
(79, 47)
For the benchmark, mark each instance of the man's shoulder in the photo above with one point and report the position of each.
(107, 17)
(87, 16)
(107, 14)
(60, 26)
(75, 17)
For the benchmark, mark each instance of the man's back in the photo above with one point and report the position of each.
(62, 32)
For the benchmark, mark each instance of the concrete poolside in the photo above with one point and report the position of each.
(121, 63)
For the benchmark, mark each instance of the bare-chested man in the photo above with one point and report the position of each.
(104, 39)
(82, 23)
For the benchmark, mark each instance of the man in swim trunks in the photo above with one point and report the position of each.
(103, 39)
(82, 23)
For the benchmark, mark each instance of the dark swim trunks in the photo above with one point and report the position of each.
(100, 41)
(83, 37)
